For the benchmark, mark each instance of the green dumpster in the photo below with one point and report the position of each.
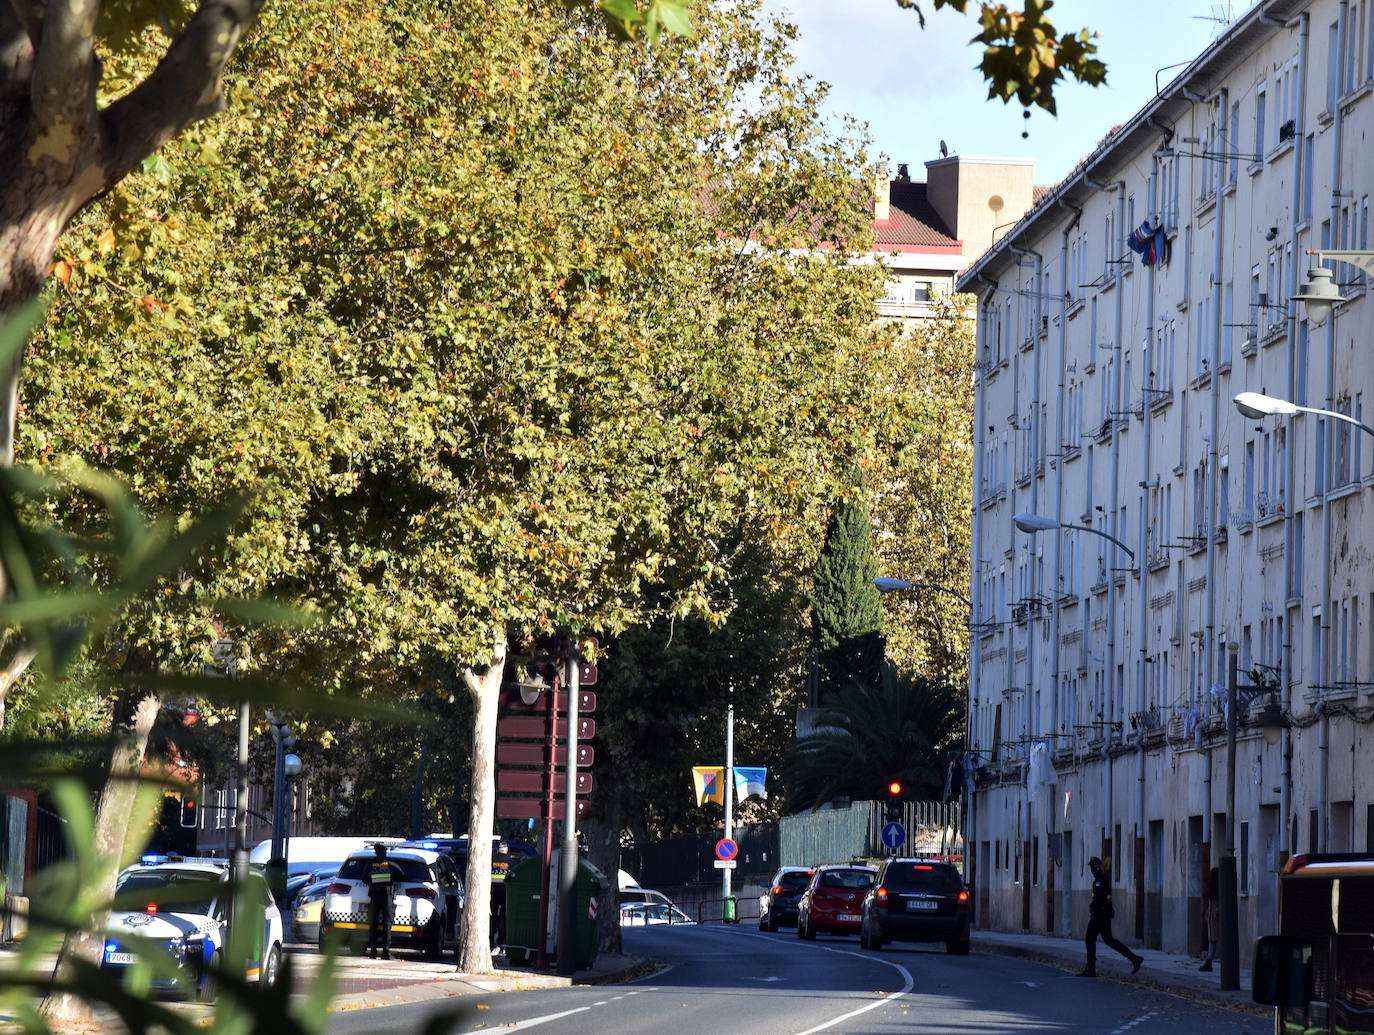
(522, 912)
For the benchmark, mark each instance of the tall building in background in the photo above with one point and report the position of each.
(928, 232)
(1117, 321)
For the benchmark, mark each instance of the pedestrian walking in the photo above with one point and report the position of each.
(1100, 913)
(1211, 916)
(381, 891)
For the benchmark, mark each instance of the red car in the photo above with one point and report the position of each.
(833, 901)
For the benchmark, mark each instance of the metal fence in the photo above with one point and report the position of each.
(690, 860)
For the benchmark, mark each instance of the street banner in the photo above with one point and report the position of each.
(708, 781)
(750, 780)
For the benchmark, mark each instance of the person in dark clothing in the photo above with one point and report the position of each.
(381, 891)
(1211, 916)
(1100, 913)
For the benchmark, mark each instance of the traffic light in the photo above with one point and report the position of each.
(894, 802)
(188, 812)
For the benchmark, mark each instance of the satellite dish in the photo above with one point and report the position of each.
(944, 150)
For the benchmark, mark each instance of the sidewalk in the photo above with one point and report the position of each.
(1164, 971)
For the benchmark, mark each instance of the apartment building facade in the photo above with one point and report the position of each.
(1117, 321)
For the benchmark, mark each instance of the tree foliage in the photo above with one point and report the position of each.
(846, 613)
(922, 476)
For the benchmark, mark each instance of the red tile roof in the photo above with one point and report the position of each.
(913, 221)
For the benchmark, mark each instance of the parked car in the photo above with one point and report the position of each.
(833, 901)
(916, 900)
(632, 896)
(174, 907)
(648, 914)
(428, 904)
(305, 916)
(778, 905)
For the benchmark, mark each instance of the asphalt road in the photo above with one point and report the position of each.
(735, 979)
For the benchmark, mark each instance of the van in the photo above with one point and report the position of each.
(1318, 971)
(305, 854)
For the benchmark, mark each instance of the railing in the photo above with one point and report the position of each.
(1267, 506)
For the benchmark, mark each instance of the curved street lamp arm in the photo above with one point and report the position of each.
(1339, 416)
(944, 589)
(1111, 538)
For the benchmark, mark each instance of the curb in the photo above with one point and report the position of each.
(616, 977)
(1197, 995)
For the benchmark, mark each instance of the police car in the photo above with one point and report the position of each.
(178, 906)
(427, 905)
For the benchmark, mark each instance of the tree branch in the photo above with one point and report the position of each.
(184, 88)
(65, 74)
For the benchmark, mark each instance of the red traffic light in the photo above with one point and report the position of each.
(894, 788)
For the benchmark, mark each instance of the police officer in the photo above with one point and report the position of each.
(381, 890)
(1100, 913)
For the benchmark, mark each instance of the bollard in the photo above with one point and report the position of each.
(730, 910)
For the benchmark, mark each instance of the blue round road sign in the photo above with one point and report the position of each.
(726, 849)
(894, 835)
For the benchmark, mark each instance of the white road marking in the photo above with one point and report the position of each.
(1029, 984)
(602, 1003)
(1131, 1024)
(906, 987)
(774, 978)
(533, 1021)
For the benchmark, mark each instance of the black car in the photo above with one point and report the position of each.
(916, 900)
(778, 905)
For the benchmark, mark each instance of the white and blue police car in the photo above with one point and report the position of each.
(179, 906)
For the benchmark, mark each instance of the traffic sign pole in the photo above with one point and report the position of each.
(727, 905)
(567, 863)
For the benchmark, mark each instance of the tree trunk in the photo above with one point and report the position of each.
(134, 716)
(485, 687)
(603, 852)
(9, 675)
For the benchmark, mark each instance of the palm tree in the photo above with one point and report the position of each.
(868, 735)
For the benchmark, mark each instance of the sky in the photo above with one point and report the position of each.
(917, 87)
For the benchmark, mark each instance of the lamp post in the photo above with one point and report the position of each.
(1228, 905)
(291, 766)
(1033, 523)
(1322, 293)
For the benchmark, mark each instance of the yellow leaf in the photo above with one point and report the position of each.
(106, 241)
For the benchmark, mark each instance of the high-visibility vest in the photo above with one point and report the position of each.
(381, 873)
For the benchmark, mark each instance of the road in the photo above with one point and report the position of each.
(735, 979)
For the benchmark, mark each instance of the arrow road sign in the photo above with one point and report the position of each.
(894, 835)
(511, 703)
(531, 781)
(531, 808)
(532, 727)
(511, 753)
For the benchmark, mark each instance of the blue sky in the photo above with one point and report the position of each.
(916, 87)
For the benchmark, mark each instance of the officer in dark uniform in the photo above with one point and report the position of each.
(381, 890)
(1100, 913)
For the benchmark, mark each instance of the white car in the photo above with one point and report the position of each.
(178, 907)
(427, 908)
(648, 914)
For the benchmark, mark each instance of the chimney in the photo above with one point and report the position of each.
(903, 173)
(882, 196)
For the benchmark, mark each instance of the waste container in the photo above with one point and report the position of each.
(522, 912)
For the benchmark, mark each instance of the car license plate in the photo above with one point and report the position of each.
(921, 905)
(849, 918)
(119, 957)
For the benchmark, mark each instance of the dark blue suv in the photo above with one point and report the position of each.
(916, 900)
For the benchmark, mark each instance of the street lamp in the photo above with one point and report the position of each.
(1321, 293)
(888, 585)
(1033, 523)
(1271, 721)
(1254, 406)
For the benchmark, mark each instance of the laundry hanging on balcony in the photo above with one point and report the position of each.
(1151, 243)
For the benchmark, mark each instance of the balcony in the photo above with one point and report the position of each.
(1243, 519)
(1268, 507)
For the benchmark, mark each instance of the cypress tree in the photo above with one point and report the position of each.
(846, 612)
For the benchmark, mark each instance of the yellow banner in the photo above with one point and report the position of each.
(709, 783)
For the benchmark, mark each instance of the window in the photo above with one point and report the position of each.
(1228, 318)
(1333, 65)
(1233, 143)
(1308, 173)
(1243, 878)
(1260, 115)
